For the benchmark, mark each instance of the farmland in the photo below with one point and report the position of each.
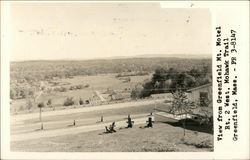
(99, 82)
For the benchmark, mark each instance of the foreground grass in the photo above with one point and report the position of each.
(162, 138)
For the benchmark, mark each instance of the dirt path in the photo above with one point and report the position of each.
(73, 130)
(15, 119)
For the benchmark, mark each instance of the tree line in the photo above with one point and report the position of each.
(169, 80)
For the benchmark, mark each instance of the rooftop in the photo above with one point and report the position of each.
(199, 87)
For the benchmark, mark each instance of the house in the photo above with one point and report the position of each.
(202, 94)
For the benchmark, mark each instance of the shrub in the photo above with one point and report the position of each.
(81, 101)
(63, 89)
(137, 91)
(80, 86)
(49, 103)
(69, 101)
(75, 87)
(40, 105)
(60, 89)
(71, 87)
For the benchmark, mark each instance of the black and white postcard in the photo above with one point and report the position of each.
(124, 80)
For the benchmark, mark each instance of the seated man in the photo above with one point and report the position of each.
(107, 130)
(130, 122)
(150, 122)
(112, 127)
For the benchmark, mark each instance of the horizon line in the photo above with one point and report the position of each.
(123, 57)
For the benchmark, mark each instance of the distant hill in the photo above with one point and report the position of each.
(47, 69)
(198, 56)
(182, 56)
(193, 56)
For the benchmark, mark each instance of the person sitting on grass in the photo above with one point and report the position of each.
(150, 122)
(111, 128)
(130, 122)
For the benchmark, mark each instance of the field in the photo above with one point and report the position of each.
(96, 83)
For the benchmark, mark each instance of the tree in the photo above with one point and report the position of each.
(181, 106)
(137, 91)
(148, 89)
(40, 106)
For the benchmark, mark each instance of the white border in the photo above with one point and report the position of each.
(217, 9)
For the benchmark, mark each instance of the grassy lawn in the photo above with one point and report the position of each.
(162, 138)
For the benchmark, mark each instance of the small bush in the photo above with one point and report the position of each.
(72, 88)
(40, 105)
(49, 102)
(76, 87)
(63, 89)
(60, 89)
(81, 101)
(69, 101)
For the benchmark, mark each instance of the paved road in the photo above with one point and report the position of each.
(72, 130)
(15, 119)
(58, 124)
(59, 128)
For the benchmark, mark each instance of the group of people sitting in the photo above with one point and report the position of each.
(111, 128)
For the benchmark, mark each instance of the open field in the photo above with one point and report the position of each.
(96, 83)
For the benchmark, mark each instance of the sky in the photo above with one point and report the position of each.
(50, 31)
